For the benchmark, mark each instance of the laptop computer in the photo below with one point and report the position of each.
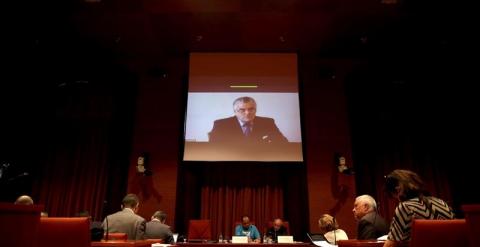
(239, 240)
(316, 237)
(285, 239)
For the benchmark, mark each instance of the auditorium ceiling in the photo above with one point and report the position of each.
(157, 27)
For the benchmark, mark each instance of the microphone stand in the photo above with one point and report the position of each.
(106, 234)
(334, 232)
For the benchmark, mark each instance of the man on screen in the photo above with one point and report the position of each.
(245, 127)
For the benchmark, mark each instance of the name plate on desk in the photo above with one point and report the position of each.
(239, 240)
(285, 239)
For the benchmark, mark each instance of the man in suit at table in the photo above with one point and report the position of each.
(126, 220)
(157, 229)
(278, 229)
(245, 127)
(370, 224)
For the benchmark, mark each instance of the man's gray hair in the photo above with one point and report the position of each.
(244, 99)
(368, 200)
(162, 216)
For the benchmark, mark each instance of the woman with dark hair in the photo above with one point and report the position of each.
(414, 203)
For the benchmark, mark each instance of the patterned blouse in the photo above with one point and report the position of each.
(414, 208)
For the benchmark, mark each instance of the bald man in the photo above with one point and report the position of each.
(24, 200)
(277, 229)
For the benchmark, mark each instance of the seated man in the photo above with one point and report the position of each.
(276, 230)
(370, 224)
(245, 127)
(156, 228)
(126, 220)
(247, 229)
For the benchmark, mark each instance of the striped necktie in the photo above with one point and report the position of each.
(247, 128)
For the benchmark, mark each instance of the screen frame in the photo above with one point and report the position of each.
(186, 91)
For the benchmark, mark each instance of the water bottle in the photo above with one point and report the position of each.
(220, 238)
(264, 238)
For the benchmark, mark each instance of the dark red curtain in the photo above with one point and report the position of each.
(407, 119)
(85, 163)
(75, 176)
(224, 205)
(224, 192)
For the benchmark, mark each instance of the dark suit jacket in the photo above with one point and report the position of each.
(158, 230)
(228, 130)
(126, 221)
(372, 226)
(271, 233)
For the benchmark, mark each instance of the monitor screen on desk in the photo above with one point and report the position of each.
(243, 107)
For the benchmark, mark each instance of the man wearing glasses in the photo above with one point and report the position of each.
(245, 127)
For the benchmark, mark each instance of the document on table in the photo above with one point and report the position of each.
(324, 244)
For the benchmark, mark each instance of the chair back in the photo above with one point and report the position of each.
(199, 229)
(19, 224)
(439, 233)
(472, 216)
(60, 232)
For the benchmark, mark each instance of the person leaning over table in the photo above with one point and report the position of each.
(247, 229)
(414, 203)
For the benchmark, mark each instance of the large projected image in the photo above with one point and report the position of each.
(243, 107)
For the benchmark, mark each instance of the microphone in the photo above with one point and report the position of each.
(106, 234)
(334, 232)
(106, 219)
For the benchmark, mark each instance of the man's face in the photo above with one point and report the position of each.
(245, 112)
(360, 209)
(277, 224)
(245, 222)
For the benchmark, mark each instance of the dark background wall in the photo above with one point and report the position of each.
(88, 86)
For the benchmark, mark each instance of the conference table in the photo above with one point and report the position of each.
(145, 243)
(299, 244)
(360, 243)
(367, 243)
(123, 243)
